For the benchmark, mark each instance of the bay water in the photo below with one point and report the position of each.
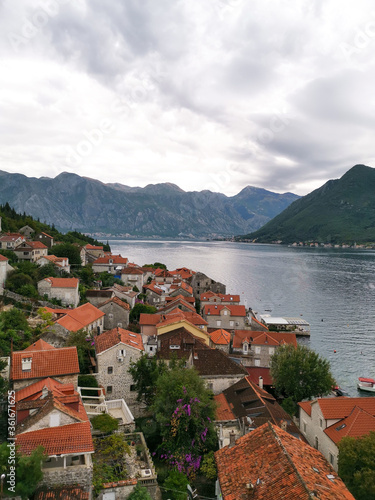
(333, 289)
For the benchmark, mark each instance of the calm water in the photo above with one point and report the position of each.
(333, 289)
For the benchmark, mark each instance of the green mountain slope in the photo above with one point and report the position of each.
(341, 211)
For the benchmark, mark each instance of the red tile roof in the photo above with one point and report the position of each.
(306, 407)
(113, 337)
(36, 244)
(183, 286)
(117, 301)
(175, 304)
(154, 288)
(116, 259)
(337, 408)
(179, 315)
(162, 273)
(40, 345)
(263, 338)
(11, 237)
(92, 247)
(214, 310)
(63, 493)
(220, 337)
(278, 466)
(45, 363)
(223, 409)
(220, 297)
(33, 391)
(255, 372)
(357, 424)
(62, 282)
(132, 270)
(182, 297)
(66, 439)
(80, 317)
(149, 319)
(2, 258)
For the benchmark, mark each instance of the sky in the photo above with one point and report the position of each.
(218, 95)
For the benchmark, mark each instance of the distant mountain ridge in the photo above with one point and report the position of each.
(340, 211)
(158, 210)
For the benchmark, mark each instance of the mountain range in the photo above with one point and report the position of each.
(71, 202)
(340, 211)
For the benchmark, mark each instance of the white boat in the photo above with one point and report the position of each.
(366, 384)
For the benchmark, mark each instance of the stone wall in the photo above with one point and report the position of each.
(218, 384)
(68, 296)
(80, 474)
(115, 316)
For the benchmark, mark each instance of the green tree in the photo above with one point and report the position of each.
(208, 467)
(357, 465)
(11, 256)
(72, 252)
(108, 279)
(47, 271)
(105, 423)
(138, 309)
(145, 372)
(185, 410)
(28, 467)
(17, 280)
(85, 349)
(14, 325)
(176, 485)
(139, 493)
(88, 381)
(300, 373)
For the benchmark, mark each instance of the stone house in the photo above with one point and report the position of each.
(5, 268)
(64, 289)
(45, 238)
(26, 231)
(109, 264)
(219, 298)
(125, 293)
(115, 350)
(10, 241)
(271, 463)
(155, 294)
(202, 283)
(132, 276)
(31, 250)
(86, 317)
(229, 317)
(41, 360)
(51, 414)
(96, 297)
(325, 421)
(89, 253)
(183, 273)
(257, 348)
(163, 277)
(154, 324)
(181, 288)
(220, 339)
(179, 301)
(116, 313)
(60, 263)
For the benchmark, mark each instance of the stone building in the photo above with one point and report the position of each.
(115, 350)
(229, 317)
(116, 313)
(31, 250)
(202, 283)
(96, 297)
(64, 289)
(132, 276)
(5, 267)
(41, 360)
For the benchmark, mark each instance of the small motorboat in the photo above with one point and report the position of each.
(366, 384)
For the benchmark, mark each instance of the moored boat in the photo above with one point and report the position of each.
(366, 384)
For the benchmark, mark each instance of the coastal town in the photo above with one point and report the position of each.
(182, 319)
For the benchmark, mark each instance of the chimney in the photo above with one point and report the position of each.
(232, 439)
(26, 364)
(260, 382)
(283, 424)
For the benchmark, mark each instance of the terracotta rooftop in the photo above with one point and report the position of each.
(162, 273)
(191, 300)
(182, 286)
(338, 408)
(80, 317)
(153, 287)
(116, 259)
(62, 440)
(255, 372)
(214, 310)
(278, 466)
(132, 270)
(115, 300)
(30, 244)
(149, 319)
(40, 345)
(178, 343)
(223, 409)
(93, 247)
(179, 315)
(220, 297)
(63, 493)
(176, 304)
(2, 258)
(62, 282)
(357, 424)
(11, 237)
(34, 390)
(45, 363)
(263, 338)
(116, 336)
(220, 337)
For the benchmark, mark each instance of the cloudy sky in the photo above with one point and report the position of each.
(215, 95)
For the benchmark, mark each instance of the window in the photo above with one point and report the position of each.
(320, 422)
(121, 353)
(119, 325)
(316, 443)
(257, 350)
(151, 348)
(110, 316)
(331, 459)
(231, 323)
(225, 312)
(210, 386)
(109, 389)
(304, 427)
(110, 370)
(271, 350)
(218, 322)
(245, 347)
(257, 362)
(132, 387)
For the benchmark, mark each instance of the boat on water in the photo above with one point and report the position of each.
(366, 384)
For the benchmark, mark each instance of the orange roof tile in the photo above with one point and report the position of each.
(255, 372)
(63, 493)
(214, 310)
(116, 259)
(149, 319)
(279, 466)
(223, 410)
(63, 282)
(220, 337)
(2, 258)
(45, 363)
(36, 244)
(337, 408)
(80, 317)
(40, 345)
(66, 439)
(117, 301)
(357, 424)
(306, 407)
(33, 390)
(132, 270)
(113, 337)
(92, 247)
(179, 315)
(182, 297)
(154, 288)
